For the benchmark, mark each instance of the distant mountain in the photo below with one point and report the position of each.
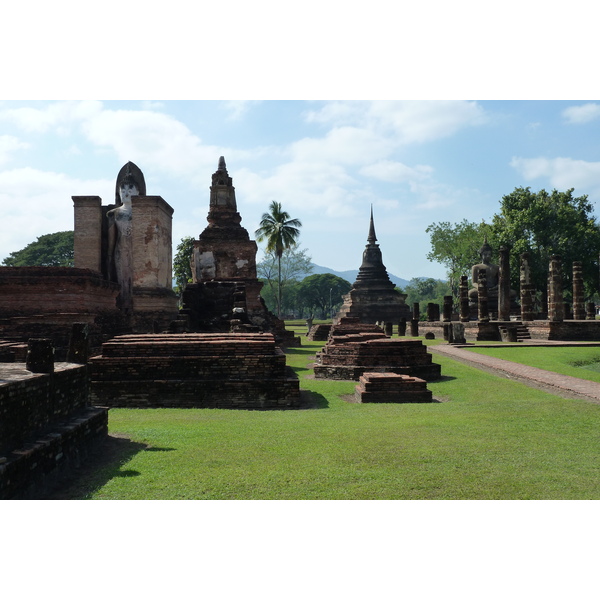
(350, 276)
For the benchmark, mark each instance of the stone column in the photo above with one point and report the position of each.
(527, 291)
(389, 329)
(590, 312)
(447, 310)
(555, 292)
(483, 314)
(87, 232)
(40, 355)
(504, 285)
(416, 311)
(414, 327)
(578, 297)
(463, 290)
(79, 345)
(402, 327)
(433, 312)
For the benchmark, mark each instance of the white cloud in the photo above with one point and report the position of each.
(342, 145)
(404, 122)
(395, 172)
(583, 113)
(35, 203)
(58, 115)
(154, 139)
(238, 108)
(8, 145)
(562, 173)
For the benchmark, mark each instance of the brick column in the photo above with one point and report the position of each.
(463, 290)
(590, 310)
(483, 314)
(402, 327)
(88, 232)
(527, 290)
(504, 285)
(416, 311)
(555, 292)
(414, 327)
(447, 309)
(578, 297)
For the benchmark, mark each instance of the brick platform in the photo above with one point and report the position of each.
(355, 348)
(47, 427)
(389, 387)
(319, 333)
(237, 370)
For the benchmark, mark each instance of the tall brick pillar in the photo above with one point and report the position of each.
(463, 290)
(527, 290)
(578, 293)
(447, 309)
(88, 232)
(504, 285)
(556, 306)
(416, 311)
(483, 314)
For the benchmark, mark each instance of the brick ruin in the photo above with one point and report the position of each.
(130, 244)
(47, 423)
(46, 301)
(121, 281)
(373, 297)
(494, 315)
(354, 348)
(390, 387)
(225, 292)
(238, 370)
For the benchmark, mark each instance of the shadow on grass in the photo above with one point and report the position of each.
(311, 400)
(100, 467)
(443, 378)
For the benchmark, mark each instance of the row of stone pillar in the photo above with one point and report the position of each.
(556, 307)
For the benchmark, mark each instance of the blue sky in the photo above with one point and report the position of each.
(416, 162)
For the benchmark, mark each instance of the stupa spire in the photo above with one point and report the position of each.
(372, 238)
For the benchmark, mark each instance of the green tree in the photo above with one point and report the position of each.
(280, 274)
(457, 247)
(182, 266)
(50, 250)
(424, 290)
(544, 224)
(323, 292)
(280, 232)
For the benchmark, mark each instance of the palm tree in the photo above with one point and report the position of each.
(281, 233)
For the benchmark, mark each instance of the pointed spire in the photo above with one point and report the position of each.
(222, 166)
(372, 237)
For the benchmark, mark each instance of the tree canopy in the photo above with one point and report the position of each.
(182, 268)
(544, 224)
(323, 291)
(540, 223)
(456, 247)
(280, 232)
(50, 250)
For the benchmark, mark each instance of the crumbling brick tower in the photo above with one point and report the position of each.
(225, 292)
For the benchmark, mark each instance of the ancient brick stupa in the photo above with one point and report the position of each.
(373, 297)
(225, 293)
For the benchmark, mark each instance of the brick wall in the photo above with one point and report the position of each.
(46, 427)
(43, 290)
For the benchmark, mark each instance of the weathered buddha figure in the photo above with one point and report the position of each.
(491, 273)
(120, 247)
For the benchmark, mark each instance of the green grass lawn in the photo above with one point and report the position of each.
(490, 438)
(582, 362)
